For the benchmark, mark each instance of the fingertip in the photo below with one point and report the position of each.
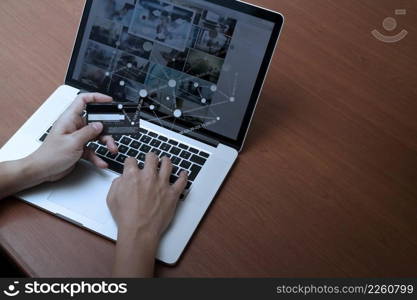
(103, 165)
(98, 126)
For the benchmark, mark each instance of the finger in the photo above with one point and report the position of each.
(151, 163)
(109, 142)
(166, 169)
(131, 167)
(93, 158)
(87, 133)
(79, 103)
(113, 192)
(181, 183)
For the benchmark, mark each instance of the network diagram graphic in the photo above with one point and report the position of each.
(146, 98)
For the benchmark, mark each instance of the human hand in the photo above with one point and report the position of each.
(144, 200)
(65, 145)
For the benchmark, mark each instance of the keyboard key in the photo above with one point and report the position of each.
(113, 165)
(126, 141)
(121, 158)
(185, 154)
(175, 151)
(204, 154)
(145, 139)
(175, 160)
(165, 147)
(141, 165)
(195, 169)
(155, 143)
(135, 145)
(132, 153)
(92, 146)
(189, 183)
(165, 154)
(141, 156)
(123, 149)
(162, 138)
(142, 130)
(117, 137)
(111, 155)
(172, 142)
(184, 147)
(49, 129)
(175, 169)
(102, 151)
(156, 151)
(185, 164)
(198, 159)
(136, 136)
(43, 138)
(173, 178)
(152, 134)
(145, 148)
(193, 150)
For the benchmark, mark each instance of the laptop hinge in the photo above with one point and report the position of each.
(192, 134)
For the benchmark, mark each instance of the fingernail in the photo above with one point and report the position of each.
(97, 126)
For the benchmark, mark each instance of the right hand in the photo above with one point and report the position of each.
(143, 200)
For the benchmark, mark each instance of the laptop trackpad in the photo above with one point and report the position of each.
(84, 192)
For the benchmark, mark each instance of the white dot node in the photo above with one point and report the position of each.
(120, 106)
(213, 88)
(177, 113)
(168, 98)
(107, 74)
(196, 84)
(129, 65)
(172, 83)
(204, 100)
(117, 44)
(147, 46)
(133, 123)
(152, 107)
(143, 93)
(122, 83)
(218, 119)
(232, 99)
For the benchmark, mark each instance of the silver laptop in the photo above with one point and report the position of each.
(201, 65)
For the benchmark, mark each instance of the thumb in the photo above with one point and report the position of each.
(88, 133)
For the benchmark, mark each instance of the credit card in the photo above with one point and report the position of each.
(117, 118)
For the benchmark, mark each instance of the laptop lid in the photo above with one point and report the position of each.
(199, 65)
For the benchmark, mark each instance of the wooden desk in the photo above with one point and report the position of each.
(327, 185)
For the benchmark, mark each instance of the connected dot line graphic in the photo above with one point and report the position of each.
(172, 85)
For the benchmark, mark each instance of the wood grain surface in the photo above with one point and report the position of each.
(327, 184)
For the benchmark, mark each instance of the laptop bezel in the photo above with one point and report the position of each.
(243, 7)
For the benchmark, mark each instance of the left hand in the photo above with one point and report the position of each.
(65, 145)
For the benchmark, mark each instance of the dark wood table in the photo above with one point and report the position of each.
(327, 184)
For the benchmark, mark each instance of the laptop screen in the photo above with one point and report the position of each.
(193, 63)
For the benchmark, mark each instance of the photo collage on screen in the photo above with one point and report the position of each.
(171, 51)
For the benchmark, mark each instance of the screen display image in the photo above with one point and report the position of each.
(193, 63)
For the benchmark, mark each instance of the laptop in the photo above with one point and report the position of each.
(201, 65)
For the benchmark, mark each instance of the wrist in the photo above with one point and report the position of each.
(32, 171)
(138, 235)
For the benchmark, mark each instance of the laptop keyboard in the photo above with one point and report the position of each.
(183, 157)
